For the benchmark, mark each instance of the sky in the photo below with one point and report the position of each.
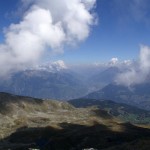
(109, 29)
(119, 32)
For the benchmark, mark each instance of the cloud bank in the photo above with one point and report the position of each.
(45, 25)
(137, 72)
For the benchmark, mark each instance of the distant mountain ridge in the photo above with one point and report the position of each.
(55, 81)
(136, 95)
(58, 81)
(60, 85)
(101, 79)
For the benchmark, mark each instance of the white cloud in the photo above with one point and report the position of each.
(89, 3)
(145, 59)
(45, 24)
(137, 72)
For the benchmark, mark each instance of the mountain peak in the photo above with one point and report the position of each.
(51, 66)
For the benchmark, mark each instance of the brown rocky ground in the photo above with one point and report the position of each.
(51, 125)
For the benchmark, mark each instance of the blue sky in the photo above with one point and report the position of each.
(118, 33)
(122, 27)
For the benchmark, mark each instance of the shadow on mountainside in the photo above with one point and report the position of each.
(74, 137)
(102, 114)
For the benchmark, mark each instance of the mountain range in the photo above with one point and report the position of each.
(58, 81)
(60, 85)
(136, 95)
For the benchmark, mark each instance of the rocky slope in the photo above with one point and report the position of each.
(120, 110)
(44, 124)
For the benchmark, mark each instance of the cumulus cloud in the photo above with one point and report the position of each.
(45, 25)
(137, 72)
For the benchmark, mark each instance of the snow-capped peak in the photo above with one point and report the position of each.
(59, 65)
(51, 66)
(114, 61)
